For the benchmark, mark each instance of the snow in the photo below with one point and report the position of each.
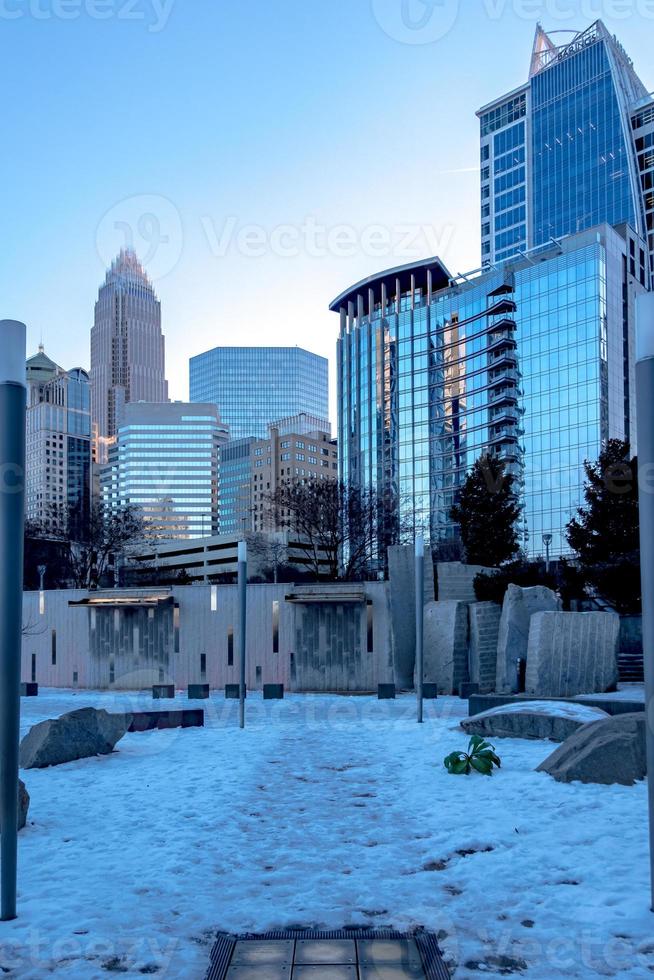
(326, 811)
(560, 709)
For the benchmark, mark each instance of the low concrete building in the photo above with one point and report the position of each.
(336, 637)
(204, 559)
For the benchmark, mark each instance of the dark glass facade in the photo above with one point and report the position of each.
(253, 386)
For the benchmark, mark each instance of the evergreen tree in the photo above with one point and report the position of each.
(605, 533)
(487, 512)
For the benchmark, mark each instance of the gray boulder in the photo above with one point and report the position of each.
(77, 735)
(610, 751)
(517, 609)
(23, 804)
(555, 720)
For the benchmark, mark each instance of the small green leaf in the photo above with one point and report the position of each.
(482, 765)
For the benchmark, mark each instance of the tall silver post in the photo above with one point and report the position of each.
(242, 602)
(645, 416)
(12, 523)
(420, 601)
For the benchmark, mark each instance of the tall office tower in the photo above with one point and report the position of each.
(568, 150)
(127, 349)
(531, 361)
(252, 385)
(58, 451)
(296, 449)
(165, 461)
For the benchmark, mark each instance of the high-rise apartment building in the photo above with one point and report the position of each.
(127, 349)
(252, 385)
(296, 449)
(531, 361)
(570, 149)
(58, 449)
(165, 462)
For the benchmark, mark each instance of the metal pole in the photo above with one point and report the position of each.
(12, 523)
(420, 601)
(242, 602)
(547, 541)
(645, 417)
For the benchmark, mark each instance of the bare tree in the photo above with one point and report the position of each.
(272, 552)
(108, 535)
(342, 530)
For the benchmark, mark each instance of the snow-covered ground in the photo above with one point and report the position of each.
(325, 812)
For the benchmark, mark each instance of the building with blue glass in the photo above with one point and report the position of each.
(531, 361)
(569, 150)
(165, 463)
(254, 385)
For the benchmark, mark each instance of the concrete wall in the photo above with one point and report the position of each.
(455, 580)
(321, 645)
(572, 653)
(631, 634)
(484, 632)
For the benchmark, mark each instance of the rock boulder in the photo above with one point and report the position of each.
(609, 751)
(77, 735)
(555, 720)
(23, 804)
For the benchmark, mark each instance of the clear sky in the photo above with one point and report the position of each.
(260, 156)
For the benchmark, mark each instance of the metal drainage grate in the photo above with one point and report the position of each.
(352, 954)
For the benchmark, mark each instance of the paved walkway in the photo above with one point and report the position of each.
(322, 957)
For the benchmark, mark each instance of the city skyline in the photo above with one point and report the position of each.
(201, 294)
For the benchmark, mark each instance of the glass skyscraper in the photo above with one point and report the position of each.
(127, 349)
(165, 462)
(252, 386)
(531, 361)
(563, 152)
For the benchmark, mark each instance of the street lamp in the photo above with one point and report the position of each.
(242, 599)
(547, 540)
(420, 599)
(12, 524)
(41, 570)
(645, 416)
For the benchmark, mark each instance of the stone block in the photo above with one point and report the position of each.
(554, 720)
(198, 692)
(429, 692)
(77, 735)
(446, 645)
(273, 692)
(163, 692)
(29, 689)
(402, 591)
(572, 653)
(484, 635)
(456, 580)
(610, 751)
(467, 688)
(386, 692)
(517, 609)
(233, 692)
(147, 721)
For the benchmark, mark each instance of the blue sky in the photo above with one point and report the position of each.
(260, 156)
